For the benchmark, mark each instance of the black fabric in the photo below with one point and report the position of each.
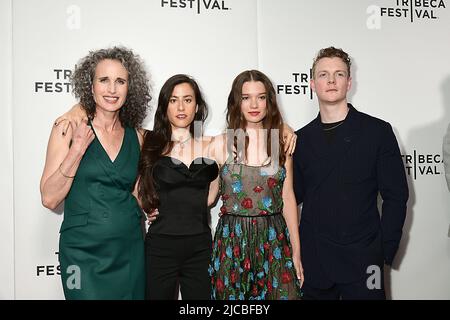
(341, 233)
(358, 290)
(329, 129)
(183, 195)
(178, 260)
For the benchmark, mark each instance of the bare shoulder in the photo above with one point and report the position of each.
(220, 140)
(140, 134)
(206, 146)
(221, 136)
(207, 141)
(218, 148)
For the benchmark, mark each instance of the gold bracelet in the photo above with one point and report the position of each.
(65, 176)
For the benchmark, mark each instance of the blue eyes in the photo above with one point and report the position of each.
(340, 74)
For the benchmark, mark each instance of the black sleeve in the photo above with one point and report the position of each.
(393, 188)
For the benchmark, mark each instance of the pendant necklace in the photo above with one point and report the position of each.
(183, 143)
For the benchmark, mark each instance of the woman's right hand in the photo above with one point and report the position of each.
(74, 117)
(82, 137)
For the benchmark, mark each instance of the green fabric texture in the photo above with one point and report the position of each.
(101, 248)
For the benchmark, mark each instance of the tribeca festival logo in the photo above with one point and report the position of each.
(73, 271)
(60, 85)
(408, 10)
(198, 5)
(48, 270)
(299, 85)
(421, 164)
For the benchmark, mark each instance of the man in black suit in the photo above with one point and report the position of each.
(343, 159)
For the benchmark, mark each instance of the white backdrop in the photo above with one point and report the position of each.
(400, 74)
(6, 160)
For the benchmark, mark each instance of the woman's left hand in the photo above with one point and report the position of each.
(298, 268)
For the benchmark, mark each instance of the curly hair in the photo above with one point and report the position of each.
(137, 103)
(332, 52)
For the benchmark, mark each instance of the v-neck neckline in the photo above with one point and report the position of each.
(113, 162)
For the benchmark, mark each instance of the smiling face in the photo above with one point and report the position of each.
(254, 103)
(182, 106)
(331, 80)
(110, 85)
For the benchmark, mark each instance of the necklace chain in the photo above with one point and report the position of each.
(334, 127)
(182, 143)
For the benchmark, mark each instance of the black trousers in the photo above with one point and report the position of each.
(349, 291)
(173, 261)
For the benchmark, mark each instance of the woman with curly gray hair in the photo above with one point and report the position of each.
(93, 168)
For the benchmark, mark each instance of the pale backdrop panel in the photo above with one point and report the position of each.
(211, 43)
(400, 74)
(6, 160)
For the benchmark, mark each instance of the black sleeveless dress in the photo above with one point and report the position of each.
(178, 242)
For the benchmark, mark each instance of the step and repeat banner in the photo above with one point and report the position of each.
(400, 74)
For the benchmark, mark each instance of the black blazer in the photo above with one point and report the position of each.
(341, 231)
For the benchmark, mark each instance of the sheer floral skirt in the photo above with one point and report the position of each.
(252, 259)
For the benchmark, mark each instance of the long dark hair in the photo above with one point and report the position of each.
(159, 141)
(236, 120)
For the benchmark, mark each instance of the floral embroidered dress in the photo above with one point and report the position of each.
(252, 255)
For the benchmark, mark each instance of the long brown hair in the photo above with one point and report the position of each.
(236, 120)
(159, 141)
